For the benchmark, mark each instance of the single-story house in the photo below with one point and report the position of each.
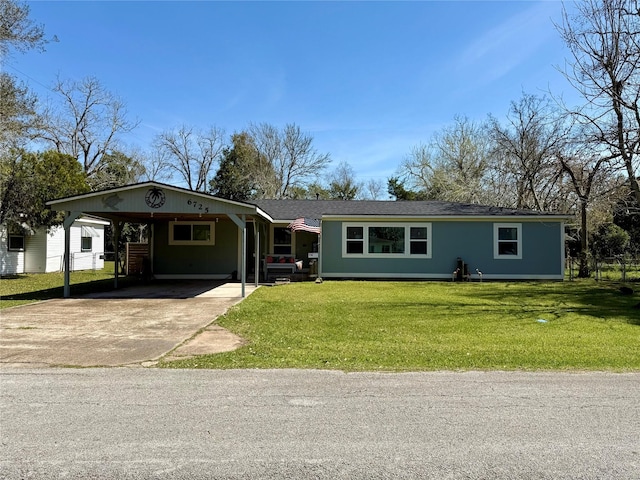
(24, 250)
(197, 235)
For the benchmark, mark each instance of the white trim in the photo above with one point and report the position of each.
(429, 276)
(192, 276)
(212, 234)
(86, 231)
(407, 239)
(496, 241)
(434, 218)
(141, 186)
(442, 276)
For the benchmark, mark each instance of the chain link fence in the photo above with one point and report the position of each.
(622, 268)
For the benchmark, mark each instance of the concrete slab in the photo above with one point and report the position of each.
(131, 326)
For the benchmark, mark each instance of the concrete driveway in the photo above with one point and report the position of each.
(132, 326)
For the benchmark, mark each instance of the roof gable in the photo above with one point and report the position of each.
(150, 197)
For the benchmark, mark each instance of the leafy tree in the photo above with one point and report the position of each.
(626, 214)
(88, 123)
(17, 30)
(396, 189)
(32, 179)
(192, 153)
(236, 178)
(603, 37)
(17, 105)
(609, 241)
(116, 169)
(18, 115)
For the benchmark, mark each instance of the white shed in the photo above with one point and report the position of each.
(42, 250)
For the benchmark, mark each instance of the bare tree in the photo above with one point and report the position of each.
(191, 153)
(343, 184)
(293, 159)
(88, 124)
(592, 179)
(374, 189)
(156, 165)
(526, 147)
(453, 166)
(603, 37)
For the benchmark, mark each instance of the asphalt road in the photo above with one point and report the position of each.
(134, 423)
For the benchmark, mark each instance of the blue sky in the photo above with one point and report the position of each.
(368, 80)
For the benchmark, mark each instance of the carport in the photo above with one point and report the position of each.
(192, 235)
(136, 325)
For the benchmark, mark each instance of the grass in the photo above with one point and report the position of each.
(28, 288)
(414, 326)
(407, 326)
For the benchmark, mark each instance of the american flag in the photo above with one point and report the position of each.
(306, 224)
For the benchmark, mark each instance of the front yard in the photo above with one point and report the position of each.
(409, 326)
(412, 326)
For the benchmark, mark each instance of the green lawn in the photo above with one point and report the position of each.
(412, 326)
(408, 326)
(28, 288)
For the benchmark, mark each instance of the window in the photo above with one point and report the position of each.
(281, 240)
(418, 241)
(86, 244)
(86, 238)
(191, 233)
(507, 240)
(16, 243)
(355, 240)
(387, 240)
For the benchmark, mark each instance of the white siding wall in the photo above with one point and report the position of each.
(35, 252)
(55, 250)
(11, 263)
(86, 260)
(44, 251)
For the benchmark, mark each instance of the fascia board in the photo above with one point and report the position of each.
(474, 218)
(147, 185)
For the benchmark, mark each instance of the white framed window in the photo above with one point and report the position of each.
(507, 241)
(86, 244)
(191, 233)
(282, 241)
(390, 240)
(86, 238)
(16, 243)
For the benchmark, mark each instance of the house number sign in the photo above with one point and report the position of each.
(197, 206)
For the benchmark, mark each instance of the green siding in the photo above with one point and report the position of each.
(218, 259)
(470, 240)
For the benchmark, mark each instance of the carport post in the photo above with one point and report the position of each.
(242, 225)
(69, 218)
(243, 263)
(116, 240)
(256, 249)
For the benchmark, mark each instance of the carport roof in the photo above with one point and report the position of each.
(142, 201)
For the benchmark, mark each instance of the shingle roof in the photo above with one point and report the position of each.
(286, 210)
